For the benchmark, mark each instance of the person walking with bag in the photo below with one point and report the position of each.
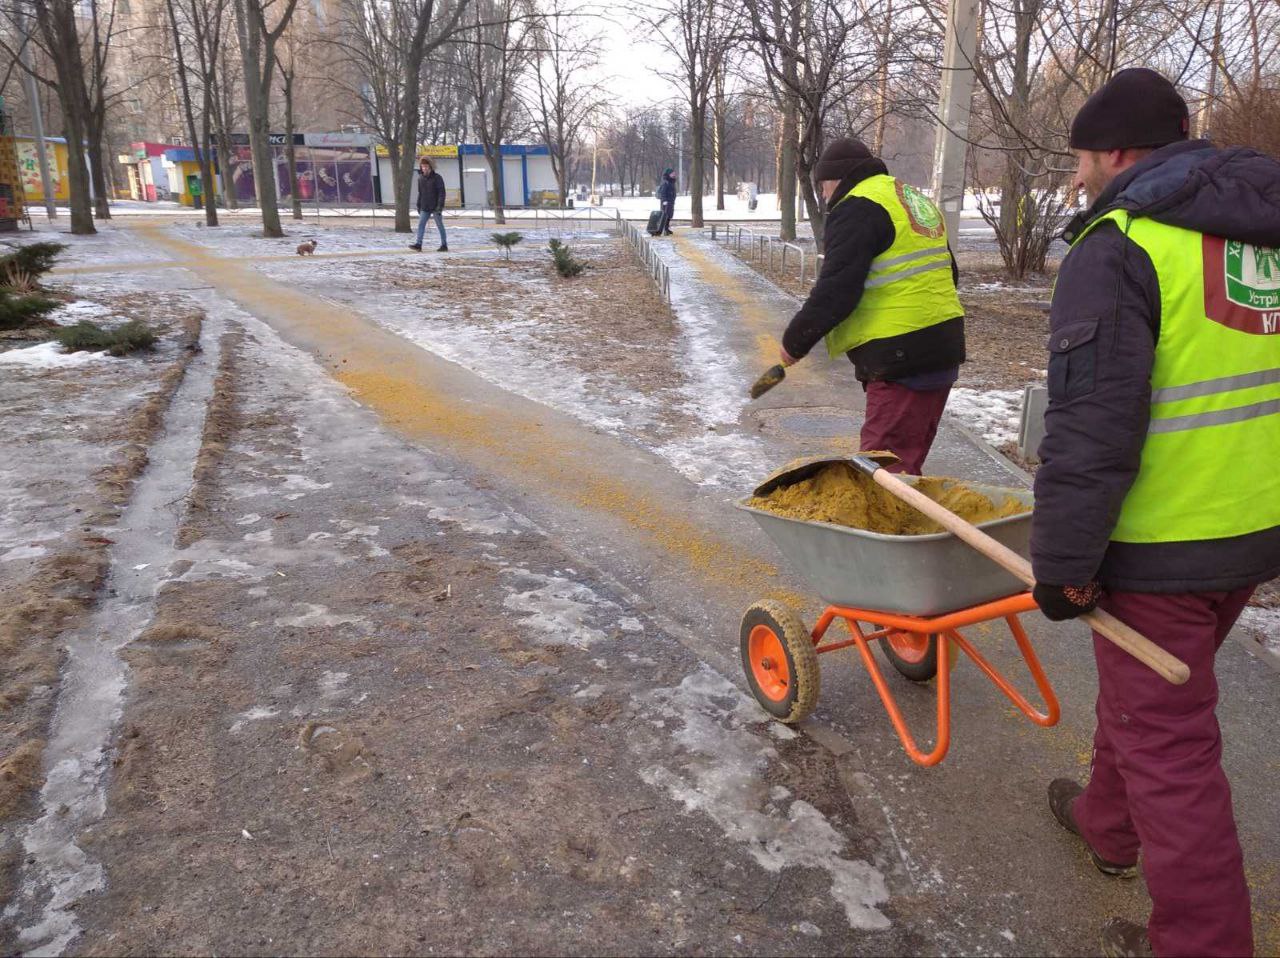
(666, 194)
(431, 193)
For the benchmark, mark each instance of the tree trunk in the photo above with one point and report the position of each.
(264, 170)
(718, 119)
(290, 151)
(98, 171)
(400, 175)
(257, 95)
(787, 170)
(58, 25)
(207, 182)
(495, 168)
(697, 169)
(411, 112)
(201, 146)
(882, 84)
(562, 179)
(222, 113)
(224, 151)
(817, 218)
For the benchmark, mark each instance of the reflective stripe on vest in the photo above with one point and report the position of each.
(906, 288)
(1207, 466)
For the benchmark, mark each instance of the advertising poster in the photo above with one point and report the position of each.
(330, 175)
(239, 175)
(29, 170)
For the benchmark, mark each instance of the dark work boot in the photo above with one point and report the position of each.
(416, 247)
(1121, 938)
(1062, 793)
(444, 248)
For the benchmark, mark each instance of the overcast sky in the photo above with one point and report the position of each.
(634, 63)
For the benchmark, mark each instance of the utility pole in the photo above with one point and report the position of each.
(680, 158)
(955, 102)
(37, 119)
(595, 148)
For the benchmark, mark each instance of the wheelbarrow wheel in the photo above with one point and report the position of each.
(780, 661)
(913, 654)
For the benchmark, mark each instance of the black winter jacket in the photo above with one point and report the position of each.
(430, 192)
(666, 191)
(1104, 326)
(857, 231)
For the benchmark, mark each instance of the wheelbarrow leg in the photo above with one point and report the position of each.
(942, 741)
(1052, 712)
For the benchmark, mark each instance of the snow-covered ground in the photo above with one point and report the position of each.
(1265, 624)
(512, 335)
(995, 414)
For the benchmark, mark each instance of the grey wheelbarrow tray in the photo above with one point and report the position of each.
(913, 575)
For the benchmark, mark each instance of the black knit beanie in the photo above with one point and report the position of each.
(1135, 108)
(839, 159)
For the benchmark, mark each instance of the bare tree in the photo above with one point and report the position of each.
(102, 30)
(698, 34)
(60, 40)
(498, 50)
(389, 42)
(202, 21)
(260, 24)
(444, 102)
(564, 97)
(223, 101)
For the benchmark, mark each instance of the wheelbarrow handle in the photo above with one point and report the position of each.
(1169, 667)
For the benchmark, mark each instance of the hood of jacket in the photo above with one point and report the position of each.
(1233, 193)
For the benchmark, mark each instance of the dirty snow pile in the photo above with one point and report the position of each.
(995, 414)
(725, 779)
(50, 356)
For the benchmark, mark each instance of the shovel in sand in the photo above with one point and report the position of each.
(1168, 667)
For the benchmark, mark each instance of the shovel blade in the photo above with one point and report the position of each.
(798, 470)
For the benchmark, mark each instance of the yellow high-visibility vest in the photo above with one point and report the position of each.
(910, 285)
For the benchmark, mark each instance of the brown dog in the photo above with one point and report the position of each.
(307, 249)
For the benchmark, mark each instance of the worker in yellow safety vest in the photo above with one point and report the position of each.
(886, 298)
(1158, 496)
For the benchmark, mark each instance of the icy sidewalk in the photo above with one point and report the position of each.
(743, 316)
(390, 702)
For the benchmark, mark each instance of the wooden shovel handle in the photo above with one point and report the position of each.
(1169, 667)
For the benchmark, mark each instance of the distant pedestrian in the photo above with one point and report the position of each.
(430, 203)
(666, 194)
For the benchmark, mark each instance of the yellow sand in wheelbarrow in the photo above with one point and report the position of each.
(913, 590)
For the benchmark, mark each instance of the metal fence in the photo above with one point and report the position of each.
(643, 247)
(556, 219)
(766, 248)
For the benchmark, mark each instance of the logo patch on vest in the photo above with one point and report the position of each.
(923, 215)
(1242, 285)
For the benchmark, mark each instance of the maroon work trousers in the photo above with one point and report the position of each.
(1157, 781)
(902, 421)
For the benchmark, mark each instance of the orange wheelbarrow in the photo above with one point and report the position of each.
(910, 594)
(780, 658)
(916, 593)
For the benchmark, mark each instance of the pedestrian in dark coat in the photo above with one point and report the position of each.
(431, 196)
(1163, 370)
(666, 194)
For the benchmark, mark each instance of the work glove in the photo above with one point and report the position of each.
(1062, 602)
